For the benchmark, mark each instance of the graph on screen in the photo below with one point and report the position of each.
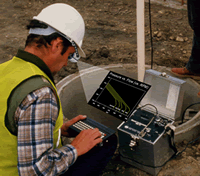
(119, 95)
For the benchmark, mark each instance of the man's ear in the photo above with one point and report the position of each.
(56, 45)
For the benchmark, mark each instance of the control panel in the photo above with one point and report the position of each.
(141, 124)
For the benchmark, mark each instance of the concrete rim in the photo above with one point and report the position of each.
(180, 131)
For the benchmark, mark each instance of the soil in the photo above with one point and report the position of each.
(111, 37)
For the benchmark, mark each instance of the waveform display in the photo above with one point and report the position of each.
(120, 104)
(119, 95)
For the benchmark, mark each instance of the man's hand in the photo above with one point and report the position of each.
(65, 126)
(86, 140)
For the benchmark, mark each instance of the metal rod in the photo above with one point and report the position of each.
(140, 39)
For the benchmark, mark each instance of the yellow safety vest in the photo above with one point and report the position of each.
(12, 73)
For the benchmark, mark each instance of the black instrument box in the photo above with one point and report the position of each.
(143, 141)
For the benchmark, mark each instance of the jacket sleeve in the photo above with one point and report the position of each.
(36, 117)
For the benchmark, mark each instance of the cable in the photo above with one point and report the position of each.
(149, 105)
(188, 144)
(141, 134)
(151, 37)
(186, 110)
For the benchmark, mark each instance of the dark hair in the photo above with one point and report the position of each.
(42, 40)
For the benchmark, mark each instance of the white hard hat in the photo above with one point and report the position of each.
(66, 20)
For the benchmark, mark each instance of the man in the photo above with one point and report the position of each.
(192, 69)
(31, 119)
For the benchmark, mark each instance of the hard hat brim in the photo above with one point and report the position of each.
(80, 50)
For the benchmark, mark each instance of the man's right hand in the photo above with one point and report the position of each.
(86, 140)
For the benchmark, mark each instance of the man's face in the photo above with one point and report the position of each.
(62, 60)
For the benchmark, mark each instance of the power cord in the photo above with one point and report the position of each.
(149, 105)
(186, 110)
(141, 134)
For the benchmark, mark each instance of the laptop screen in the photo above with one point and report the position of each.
(119, 95)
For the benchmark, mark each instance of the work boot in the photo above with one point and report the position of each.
(198, 95)
(184, 73)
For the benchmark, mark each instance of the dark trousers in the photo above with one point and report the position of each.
(193, 64)
(93, 162)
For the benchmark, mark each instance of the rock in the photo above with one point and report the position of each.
(179, 39)
(163, 49)
(104, 52)
(155, 33)
(171, 38)
(194, 148)
(198, 147)
(161, 12)
(184, 52)
(159, 34)
(169, 53)
(158, 39)
(197, 153)
(186, 39)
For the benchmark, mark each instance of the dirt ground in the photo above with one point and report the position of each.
(111, 38)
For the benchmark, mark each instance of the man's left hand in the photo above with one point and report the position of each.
(65, 126)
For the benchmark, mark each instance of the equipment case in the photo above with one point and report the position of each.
(143, 138)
